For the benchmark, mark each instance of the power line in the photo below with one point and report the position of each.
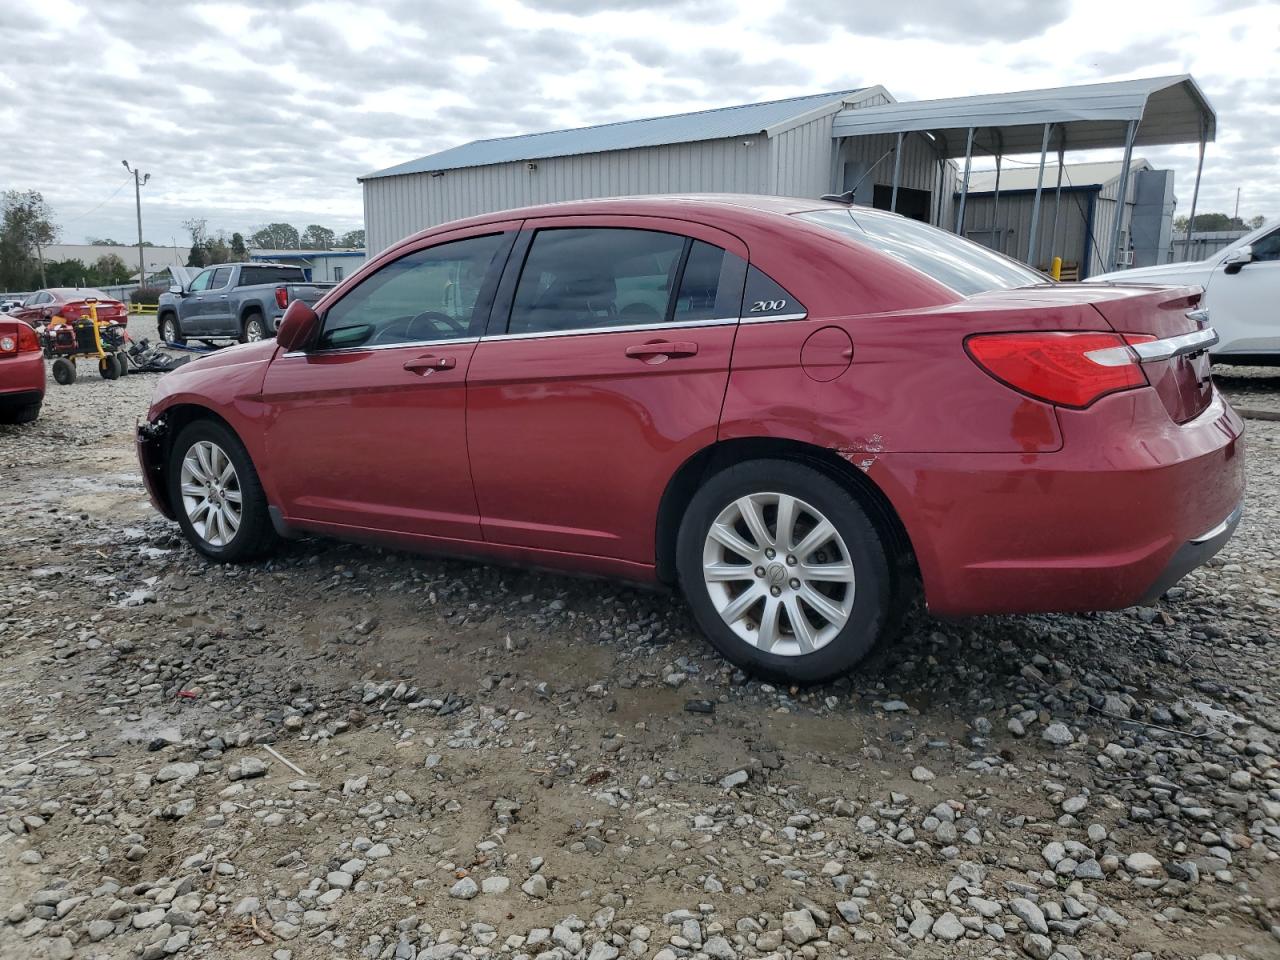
(81, 216)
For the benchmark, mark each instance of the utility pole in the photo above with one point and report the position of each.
(139, 180)
(1236, 215)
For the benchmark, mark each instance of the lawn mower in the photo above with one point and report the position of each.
(66, 339)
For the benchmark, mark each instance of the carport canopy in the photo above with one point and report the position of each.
(1124, 113)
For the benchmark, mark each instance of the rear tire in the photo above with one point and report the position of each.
(108, 368)
(64, 371)
(170, 331)
(23, 414)
(253, 329)
(209, 473)
(122, 361)
(768, 608)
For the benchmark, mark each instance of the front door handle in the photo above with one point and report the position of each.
(425, 365)
(660, 349)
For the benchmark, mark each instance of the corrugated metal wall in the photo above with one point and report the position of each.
(1008, 228)
(395, 207)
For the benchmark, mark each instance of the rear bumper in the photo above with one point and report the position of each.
(22, 378)
(1130, 504)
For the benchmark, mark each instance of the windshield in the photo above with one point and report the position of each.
(964, 266)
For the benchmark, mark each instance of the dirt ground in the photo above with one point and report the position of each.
(353, 752)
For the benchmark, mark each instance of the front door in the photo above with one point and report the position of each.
(368, 430)
(192, 308)
(604, 370)
(1242, 306)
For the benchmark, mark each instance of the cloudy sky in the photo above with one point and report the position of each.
(248, 113)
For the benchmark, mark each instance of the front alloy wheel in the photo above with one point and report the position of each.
(211, 496)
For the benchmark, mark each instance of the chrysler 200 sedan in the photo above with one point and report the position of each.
(793, 410)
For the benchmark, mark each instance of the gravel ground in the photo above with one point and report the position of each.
(351, 752)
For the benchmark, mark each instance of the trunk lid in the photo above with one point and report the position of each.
(1164, 313)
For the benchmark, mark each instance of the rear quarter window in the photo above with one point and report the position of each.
(766, 299)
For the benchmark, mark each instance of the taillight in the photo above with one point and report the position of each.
(1067, 369)
(27, 339)
(8, 343)
(282, 297)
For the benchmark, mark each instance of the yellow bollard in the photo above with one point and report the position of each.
(1055, 268)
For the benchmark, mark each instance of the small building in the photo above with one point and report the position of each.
(320, 266)
(1076, 224)
(155, 259)
(781, 147)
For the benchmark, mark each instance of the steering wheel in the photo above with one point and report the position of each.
(434, 317)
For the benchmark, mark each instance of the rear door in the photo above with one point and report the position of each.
(219, 309)
(368, 430)
(604, 369)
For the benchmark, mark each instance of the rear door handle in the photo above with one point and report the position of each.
(662, 348)
(425, 365)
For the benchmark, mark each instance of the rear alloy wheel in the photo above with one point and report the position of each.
(216, 494)
(784, 571)
(255, 329)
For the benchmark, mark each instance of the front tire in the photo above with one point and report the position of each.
(216, 494)
(64, 371)
(784, 571)
(170, 331)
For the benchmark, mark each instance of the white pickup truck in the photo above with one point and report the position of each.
(242, 301)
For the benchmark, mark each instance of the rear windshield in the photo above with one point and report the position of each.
(964, 266)
(254, 275)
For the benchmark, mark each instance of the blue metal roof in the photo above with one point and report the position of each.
(743, 120)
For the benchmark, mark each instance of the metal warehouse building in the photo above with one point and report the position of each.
(860, 142)
(783, 147)
(1079, 214)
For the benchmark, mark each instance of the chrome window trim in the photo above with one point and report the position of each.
(628, 328)
(778, 318)
(1178, 346)
(379, 346)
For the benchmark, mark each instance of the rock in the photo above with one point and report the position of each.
(535, 886)
(100, 929)
(1143, 864)
(798, 927)
(1058, 734)
(147, 919)
(602, 951)
(177, 771)
(948, 927)
(1029, 913)
(718, 948)
(464, 889)
(849, 911)
(735, 779)
(495, 884)
(246, 769)
(1037, 946)
(922, 775)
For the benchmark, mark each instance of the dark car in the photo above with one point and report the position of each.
(784, 407)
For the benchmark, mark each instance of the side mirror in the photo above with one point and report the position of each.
(176, 288)
(299, 327)
(1236, 259)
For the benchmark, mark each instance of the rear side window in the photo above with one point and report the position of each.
(251, 276)
(221, 277)
(766, 299)
(603, 277)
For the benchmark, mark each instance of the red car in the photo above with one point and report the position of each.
(785, 407)
(70, 303)
(21, 372)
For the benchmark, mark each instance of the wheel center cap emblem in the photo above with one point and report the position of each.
(777, 573)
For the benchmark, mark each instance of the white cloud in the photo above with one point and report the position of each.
(249, 113)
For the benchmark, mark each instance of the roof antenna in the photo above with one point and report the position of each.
(847, 196)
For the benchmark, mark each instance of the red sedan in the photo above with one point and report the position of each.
(788, 408)
(70, 303)
(21, 372)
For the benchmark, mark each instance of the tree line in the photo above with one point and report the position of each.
(1217, 221)
(207, 249)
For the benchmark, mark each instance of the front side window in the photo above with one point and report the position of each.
(201, 282)
(964, 266)
(1268, 247)
(601, 277)
(427, 296)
